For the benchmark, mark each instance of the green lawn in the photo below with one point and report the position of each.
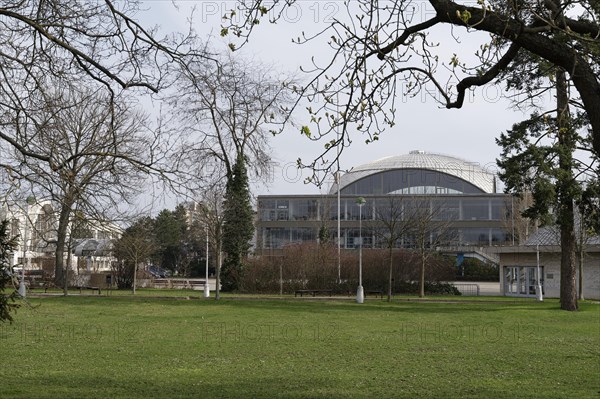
(116, 347)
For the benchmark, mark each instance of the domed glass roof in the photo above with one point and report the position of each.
(421, 160)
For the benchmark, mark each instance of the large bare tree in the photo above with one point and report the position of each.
(45, 45)
(230, 108)
(78, 127)
(230, 113)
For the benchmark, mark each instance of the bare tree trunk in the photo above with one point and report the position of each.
(61, 238)
(568, 272)
(422, 279)
(390, 279)
(218, 274)
(582, 242)
(568, 291)
(66, 274)
(581, 255)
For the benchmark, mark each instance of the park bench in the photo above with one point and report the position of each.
(374, 292)
(196, 284)
(87, 287)
(312, 292)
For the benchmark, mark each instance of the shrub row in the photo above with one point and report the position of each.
(314, 266)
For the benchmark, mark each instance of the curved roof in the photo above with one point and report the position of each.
(465, 170)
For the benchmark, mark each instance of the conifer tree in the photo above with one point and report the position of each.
(238, 226)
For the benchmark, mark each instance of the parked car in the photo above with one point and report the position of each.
(157, 272)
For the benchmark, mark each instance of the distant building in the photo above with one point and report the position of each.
(518, 266)
(463, 192)
(35, 225)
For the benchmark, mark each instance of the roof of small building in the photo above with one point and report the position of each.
(550, 236)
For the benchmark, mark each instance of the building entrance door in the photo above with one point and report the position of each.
(521, 280)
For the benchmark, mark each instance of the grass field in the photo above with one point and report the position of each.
(118, 347)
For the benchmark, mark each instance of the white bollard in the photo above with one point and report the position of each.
(360, 294)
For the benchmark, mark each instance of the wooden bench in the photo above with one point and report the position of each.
(196, 284)
(312, 292)
(87, 287)
(374, 292)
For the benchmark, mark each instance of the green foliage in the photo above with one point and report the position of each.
(136, 245)
(431, 288)
(530, 162)
(476, 270)
(324, 235)
(170, 228)
(7, 245)
(238, 225)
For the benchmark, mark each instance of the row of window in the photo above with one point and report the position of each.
(279, 237)
(384, 209)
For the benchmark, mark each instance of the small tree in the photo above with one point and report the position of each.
(136, 245)
(428, 229)
(211, 214)
(392, 225)
(7, 245)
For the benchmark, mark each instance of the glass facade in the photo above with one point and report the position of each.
(410, 181)
(522, 280)
(469, 216)
(478, 221)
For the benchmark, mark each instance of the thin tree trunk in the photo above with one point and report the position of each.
(390, 280)
(422, 279)
(218, 274)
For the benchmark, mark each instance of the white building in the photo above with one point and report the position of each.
(518, 266)
(35, 225)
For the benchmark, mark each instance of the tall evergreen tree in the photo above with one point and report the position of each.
(238, 225)
(539, 155)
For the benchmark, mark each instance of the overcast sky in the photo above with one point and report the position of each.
(421, 124)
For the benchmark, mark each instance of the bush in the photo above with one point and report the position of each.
(431, 288)
(476, 270)
(315, 266)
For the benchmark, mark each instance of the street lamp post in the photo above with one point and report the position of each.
(538, 287)
(22, 288)
(206, 286)
(360, 293)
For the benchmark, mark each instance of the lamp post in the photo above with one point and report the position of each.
(22, 288)
(360, 293)
(538, 287)
(206, 287)
(339, 234)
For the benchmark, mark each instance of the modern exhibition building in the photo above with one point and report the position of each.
(461, 197)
